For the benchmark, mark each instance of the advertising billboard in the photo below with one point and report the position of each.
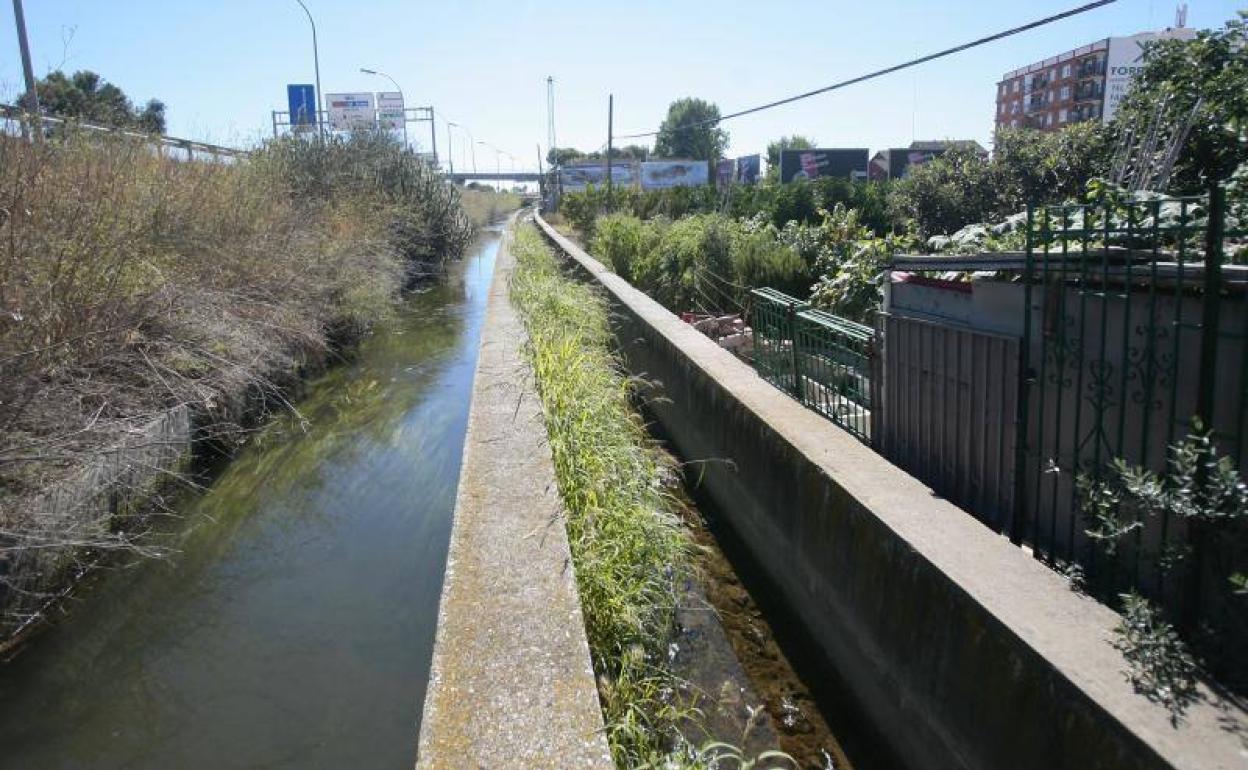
(748, 169)
(813, 164)
(725, 172)
(390, 110)
(579, 177)
(350, 112)
(662, 174)
(1124, 59)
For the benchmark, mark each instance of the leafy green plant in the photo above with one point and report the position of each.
(1159, 664)
(1199, 487)
(849, 262)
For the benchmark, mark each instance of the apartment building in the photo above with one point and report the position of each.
(1086, 83)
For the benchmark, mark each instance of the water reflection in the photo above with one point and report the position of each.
(295, 627)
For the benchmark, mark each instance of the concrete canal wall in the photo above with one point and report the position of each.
(959, 648)
(511, 683)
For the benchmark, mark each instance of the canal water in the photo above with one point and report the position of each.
(295, 625)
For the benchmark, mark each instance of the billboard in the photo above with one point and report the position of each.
(662, 174)
(301, 102)
(813, 164)
(574, 178)
(350, 112)
(748, 169)
(725, 172)
(390, 115)
(1125, 58)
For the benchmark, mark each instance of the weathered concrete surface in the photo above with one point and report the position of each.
(511, 683)
(961, 649)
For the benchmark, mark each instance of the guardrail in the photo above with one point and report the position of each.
(19, 122)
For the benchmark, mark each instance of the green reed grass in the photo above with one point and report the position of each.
(630, 549)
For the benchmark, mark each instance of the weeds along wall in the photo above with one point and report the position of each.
(629, 547)
(132, 283)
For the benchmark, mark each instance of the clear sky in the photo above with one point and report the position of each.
(222, 65)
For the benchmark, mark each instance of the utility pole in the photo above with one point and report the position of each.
(541, 174)
(610, 137)
(433, 136)
(32, 94)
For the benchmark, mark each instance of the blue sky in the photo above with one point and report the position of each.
(222, 65)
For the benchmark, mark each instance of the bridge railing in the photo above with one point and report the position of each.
(822, 360)
(17, 122)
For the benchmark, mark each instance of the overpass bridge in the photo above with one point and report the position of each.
(505, 176)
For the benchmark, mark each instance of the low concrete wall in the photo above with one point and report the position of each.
(511, 683)
(958, 647)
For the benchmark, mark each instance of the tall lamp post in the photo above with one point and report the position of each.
(450, 150)
(367, 71)
(316, 62)
(28, 72)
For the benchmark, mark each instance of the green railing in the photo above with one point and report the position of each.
(773, 317)
(822, 360)
(1135, 331)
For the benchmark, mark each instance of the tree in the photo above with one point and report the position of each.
(794, 142)
(1033, 166)
(947, 193)
(691, 131)
(564, 156)
(1211, 70)
(89, 97)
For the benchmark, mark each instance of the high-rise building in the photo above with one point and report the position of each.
(1084, 84)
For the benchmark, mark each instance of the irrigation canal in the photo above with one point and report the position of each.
(294, 625)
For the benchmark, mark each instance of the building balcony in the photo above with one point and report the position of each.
(1090, 68)
(1089, 90)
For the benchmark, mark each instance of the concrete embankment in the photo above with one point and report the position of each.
(961, 650)
(511, 683)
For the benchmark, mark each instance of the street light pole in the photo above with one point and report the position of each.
(450, 150)
(316, 62)
(403, 99)
(32, 93)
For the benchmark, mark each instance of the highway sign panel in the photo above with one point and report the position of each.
(301, 101)
(351, 111)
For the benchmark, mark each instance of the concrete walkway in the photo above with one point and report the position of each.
(511, 683)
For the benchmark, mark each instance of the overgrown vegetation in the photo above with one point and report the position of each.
(629, 547)
(483, 206)
(131, 283)
(1203, 492)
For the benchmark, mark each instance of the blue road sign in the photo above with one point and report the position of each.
(301, 99)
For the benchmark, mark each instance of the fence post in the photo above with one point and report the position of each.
(1021, 412)
(791, 311)
(1211, 310)
(1212, 306)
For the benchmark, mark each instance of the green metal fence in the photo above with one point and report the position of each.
(1135, 326)
(773, 318)
(823, 360)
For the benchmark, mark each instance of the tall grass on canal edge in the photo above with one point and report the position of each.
(629, 547)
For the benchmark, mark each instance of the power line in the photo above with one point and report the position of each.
(886, 70)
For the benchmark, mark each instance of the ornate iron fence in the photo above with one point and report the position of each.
(1136, 331)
